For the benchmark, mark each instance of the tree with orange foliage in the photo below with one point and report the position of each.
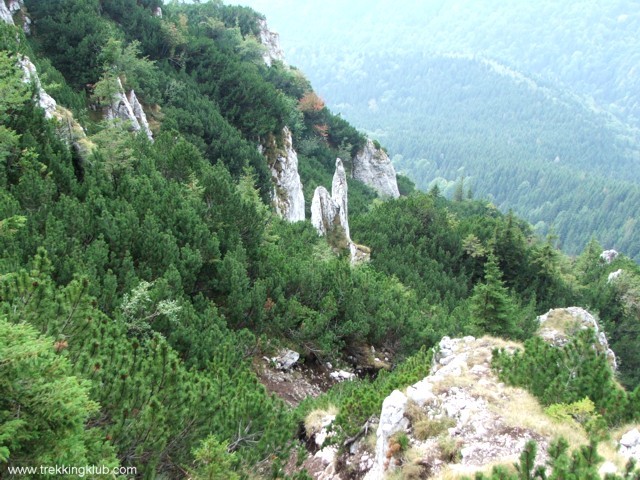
(310, 102)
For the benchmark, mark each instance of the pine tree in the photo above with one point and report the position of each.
(492, 308)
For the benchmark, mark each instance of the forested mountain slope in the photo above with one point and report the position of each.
(523, 145)
(147, 268)
(536, 103)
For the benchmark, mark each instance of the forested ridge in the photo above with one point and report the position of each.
(141, 282)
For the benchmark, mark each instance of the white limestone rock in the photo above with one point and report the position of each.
(613, 276)
(128, 109)
(286, 359)
(462, 388)
(271, 42)
(320, 437)
(630, 444)
(30, 75)
(373, 167)
(330, 216)
(329, 212)
(5, 13)
(139, 114)
(339, 194)
(15, 6)
(558, 325)
(609, 255)
(287, 194)
(341, 375)
(324, 212)
(158, 12)
(9, 8)
(392, 420)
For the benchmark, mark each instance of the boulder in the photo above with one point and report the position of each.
(341, 375)
(286, 359)
(373, 167)
(630, 444)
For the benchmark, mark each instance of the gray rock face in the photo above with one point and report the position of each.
(271, 40)
(557, 326)
(5, 13)
(287, 194)
(43, 99)
(609, 255)
(158, 12)
(374, 168)
(128, 109)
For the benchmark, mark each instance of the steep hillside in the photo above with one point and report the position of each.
(176, 276)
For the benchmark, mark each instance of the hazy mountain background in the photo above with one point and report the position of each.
(532, 105)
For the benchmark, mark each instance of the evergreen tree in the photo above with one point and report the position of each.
(492, 308)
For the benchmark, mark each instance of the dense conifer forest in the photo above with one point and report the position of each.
(141, 281)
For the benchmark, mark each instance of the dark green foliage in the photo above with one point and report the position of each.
(581, 464)
(153, 407)
(156, 273)
(44, 407)
(568, 374)
(492, 309)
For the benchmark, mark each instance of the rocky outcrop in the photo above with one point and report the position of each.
(43, 99)
(5, 13)
(139, 114)
(609, 255)
(67, 126)
(373, 167)
(9, 8)
(128, 109)
(459, 418)
(287, 194)
(157, 12)
(329, 213)
(557, 326)
(271, 42)
(330, 216)
(324, 212)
